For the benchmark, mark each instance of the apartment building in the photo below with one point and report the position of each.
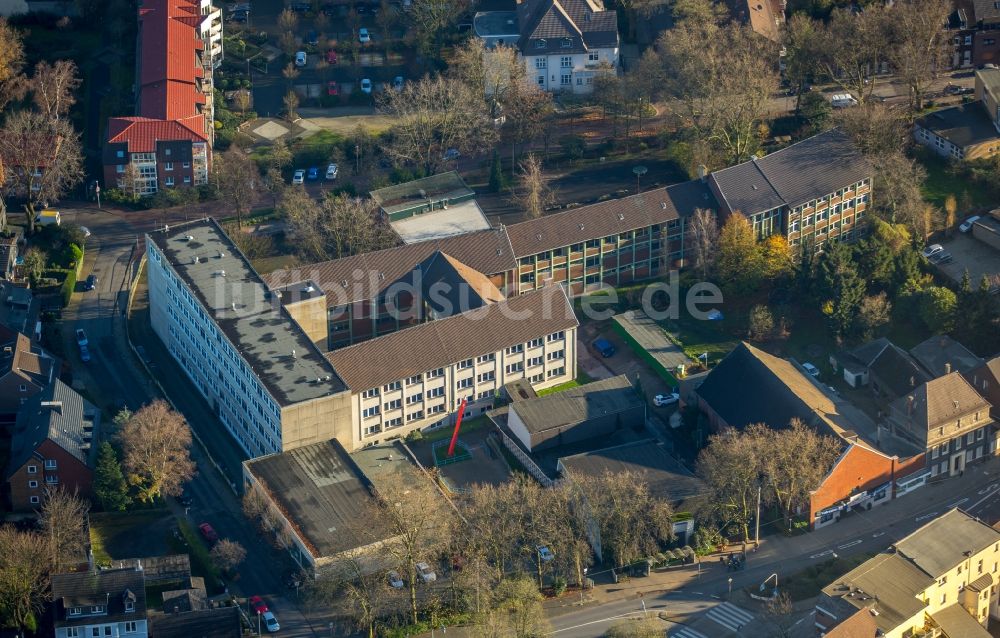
(947, 418)
(168, 143)
(106, 602)
(258, 370)
(974, 27)
(417, 377)
(939, 580)
(968, 131)
(812, 192)
(25, 370)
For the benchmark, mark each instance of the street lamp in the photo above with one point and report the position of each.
(583, 585)
(639, 172)
(258, 620)
(730, 584)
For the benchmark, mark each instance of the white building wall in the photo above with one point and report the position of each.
(570, 72)
(214, 366)
(396, 411)
(114, 630)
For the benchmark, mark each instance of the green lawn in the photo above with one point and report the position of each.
(696, 337)
(468, 425)
(940, 183)
(194, 547)
(581, 379)
(107, 529)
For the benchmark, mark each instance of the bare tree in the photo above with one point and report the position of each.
(128, 180)
(24, 577)
(491, 524)
(920, 44)
(288, 20)
(339, 226)
(63, 525)
(721, 86)
(227, 555)
(429, 19)
(237, 178)
(290, 73)
(731, 467)
(526, 112)
(42, 158)
(242, 100)
(802, 52)
(535, 195)
(516, 611)
(156, 443)
(496, 72)
(12, 82)
(877, 129)
(704, 233)
(897, 190)
(799, 459)
(53, 87)
(291, 102)
(633, 523)
(415, 520)
(779, 612)
(366, 591)
(432, 116)
(852, 48)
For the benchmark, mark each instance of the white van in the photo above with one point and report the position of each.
(47, 217)
(842, 100)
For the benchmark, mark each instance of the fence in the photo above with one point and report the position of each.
(638, 331)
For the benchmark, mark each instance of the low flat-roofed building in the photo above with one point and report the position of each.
(962, 132)
(584, 412)
(321, 495)
(218, 622)
(666, 477)
(941, 577)
(431, 208)
(496, 28)
(256, 367)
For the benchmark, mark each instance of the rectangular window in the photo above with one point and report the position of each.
(556, 336)
(107, 630)
(50, 464)
(556, 355)
(556, 372)
(414, 379)
(539, 63)
(389, 387)
(535, 361)
(168, 166)
(594, 56)
(463, 365)
(368, 394)
(186, 164)
(435, 392)
(415, 398)
(33, 499)
(535, 343)
(130, 627)
(370, 412)
(515, 349)
(395, 404)
(32, 469)
(95, 631)
(32, 484)
(120, 168)
(419, 414)
(465, 383)
(486, 358)
(565, 80)
(566, 62)
(120, 154)
(515, 367)
(433, 374)
(187, 179)
(486, 376)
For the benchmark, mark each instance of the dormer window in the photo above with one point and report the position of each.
(129, 605)
(97, 609)
(567, 43)
(540, 44)
(75, 611)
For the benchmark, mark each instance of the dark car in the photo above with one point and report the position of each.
(208, 533)
(313, 174)
(91, 282)
(185, 499)
(301, 6)
(312, 38)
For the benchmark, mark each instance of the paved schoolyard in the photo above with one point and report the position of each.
(972, 254)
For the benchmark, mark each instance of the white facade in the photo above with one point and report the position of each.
(129, 629)
(215, 367)
(571, 71)
(433, 397)
(210, 30)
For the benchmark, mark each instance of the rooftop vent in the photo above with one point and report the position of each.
(234, 306)
(422, 193)
(220, 273)
(621, 217)
(308, 289)
(166, 228)
(663, 205)
(381, 276)
(753, 186)
(196, 260)
(293, 353)
(188, 237)
(581, 226)
(499, 252)
(344, 283)
(221, 254)
(538, 237)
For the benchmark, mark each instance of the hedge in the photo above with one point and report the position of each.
(68, 286)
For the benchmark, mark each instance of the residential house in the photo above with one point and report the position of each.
(319, 495)
(986, 39)
(968, 131)
(765, 17)
(565, 44)
(8, 255)
(811, 192)
(883, 366)
(985, 379)
(106, 602)
(948, 419)
(25, 369)
(939, 580)
(941, 355)
(169, 141)
(52, 446)
(962, 29)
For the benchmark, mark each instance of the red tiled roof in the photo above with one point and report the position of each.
(141, 134)
(168, 67)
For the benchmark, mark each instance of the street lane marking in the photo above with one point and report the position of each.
(876, 535)
(822, 554)
(980, 501)
(925, 517)
(851, 544)
(989, 488)
(958, 502)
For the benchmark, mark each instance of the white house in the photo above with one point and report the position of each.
(107, 602)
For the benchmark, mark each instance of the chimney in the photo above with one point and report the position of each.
(913, 383)
(909, 405)
(702, 172)
(947, 368)
(138, 565)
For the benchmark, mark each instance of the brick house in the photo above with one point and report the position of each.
(168, 143)
(25, 369)
(51, 446)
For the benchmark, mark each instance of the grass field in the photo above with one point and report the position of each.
(110, 532)
(581, 379)
(940, 183)
(696, 337)
(468, 425)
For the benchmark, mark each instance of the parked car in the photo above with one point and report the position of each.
(932, 250)
(452, 154)
(91, 282)
(257, 604)
(293, 580)
(331, 57)
(363, 36)
(545, 553)
(661, 400)
(299, 176)
(331, 171)
(843, 100)
(811, 369)
(397, 83)
(967, 224)
(301, 6)
(605, 347)
(208, 533)
(313, 174)
(426, 573)
(185, 499)
(270, 622)
(81, 337)
(312, 38)
(84, 354)
(394, 580)
(942, 257)
(332, 88)
(300, 58)
(366, 86)
(85, 231)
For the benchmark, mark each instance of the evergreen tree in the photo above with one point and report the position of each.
(966, 285)
(109, 481)
(496, 173)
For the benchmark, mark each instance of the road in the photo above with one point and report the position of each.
(691, 596)
(114, 377)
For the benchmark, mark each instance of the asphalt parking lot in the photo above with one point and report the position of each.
(969, 253)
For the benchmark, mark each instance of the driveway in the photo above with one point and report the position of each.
(968, 253)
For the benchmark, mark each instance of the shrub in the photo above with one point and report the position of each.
(573, 146)
(68, 286)
(559, 585)
(415, 436)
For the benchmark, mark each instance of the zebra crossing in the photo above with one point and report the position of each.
(730, 616)
(687, 632)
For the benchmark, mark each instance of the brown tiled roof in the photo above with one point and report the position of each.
(861, 625)
(587, 24)
(608, 218)
(941, 400)
(446, 341)
(366, 275)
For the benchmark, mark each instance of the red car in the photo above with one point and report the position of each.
(331, 57)
(332, 88)
(208, 533)
(257, 604)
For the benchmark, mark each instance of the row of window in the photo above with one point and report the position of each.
(826, 198)
(130, 627)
